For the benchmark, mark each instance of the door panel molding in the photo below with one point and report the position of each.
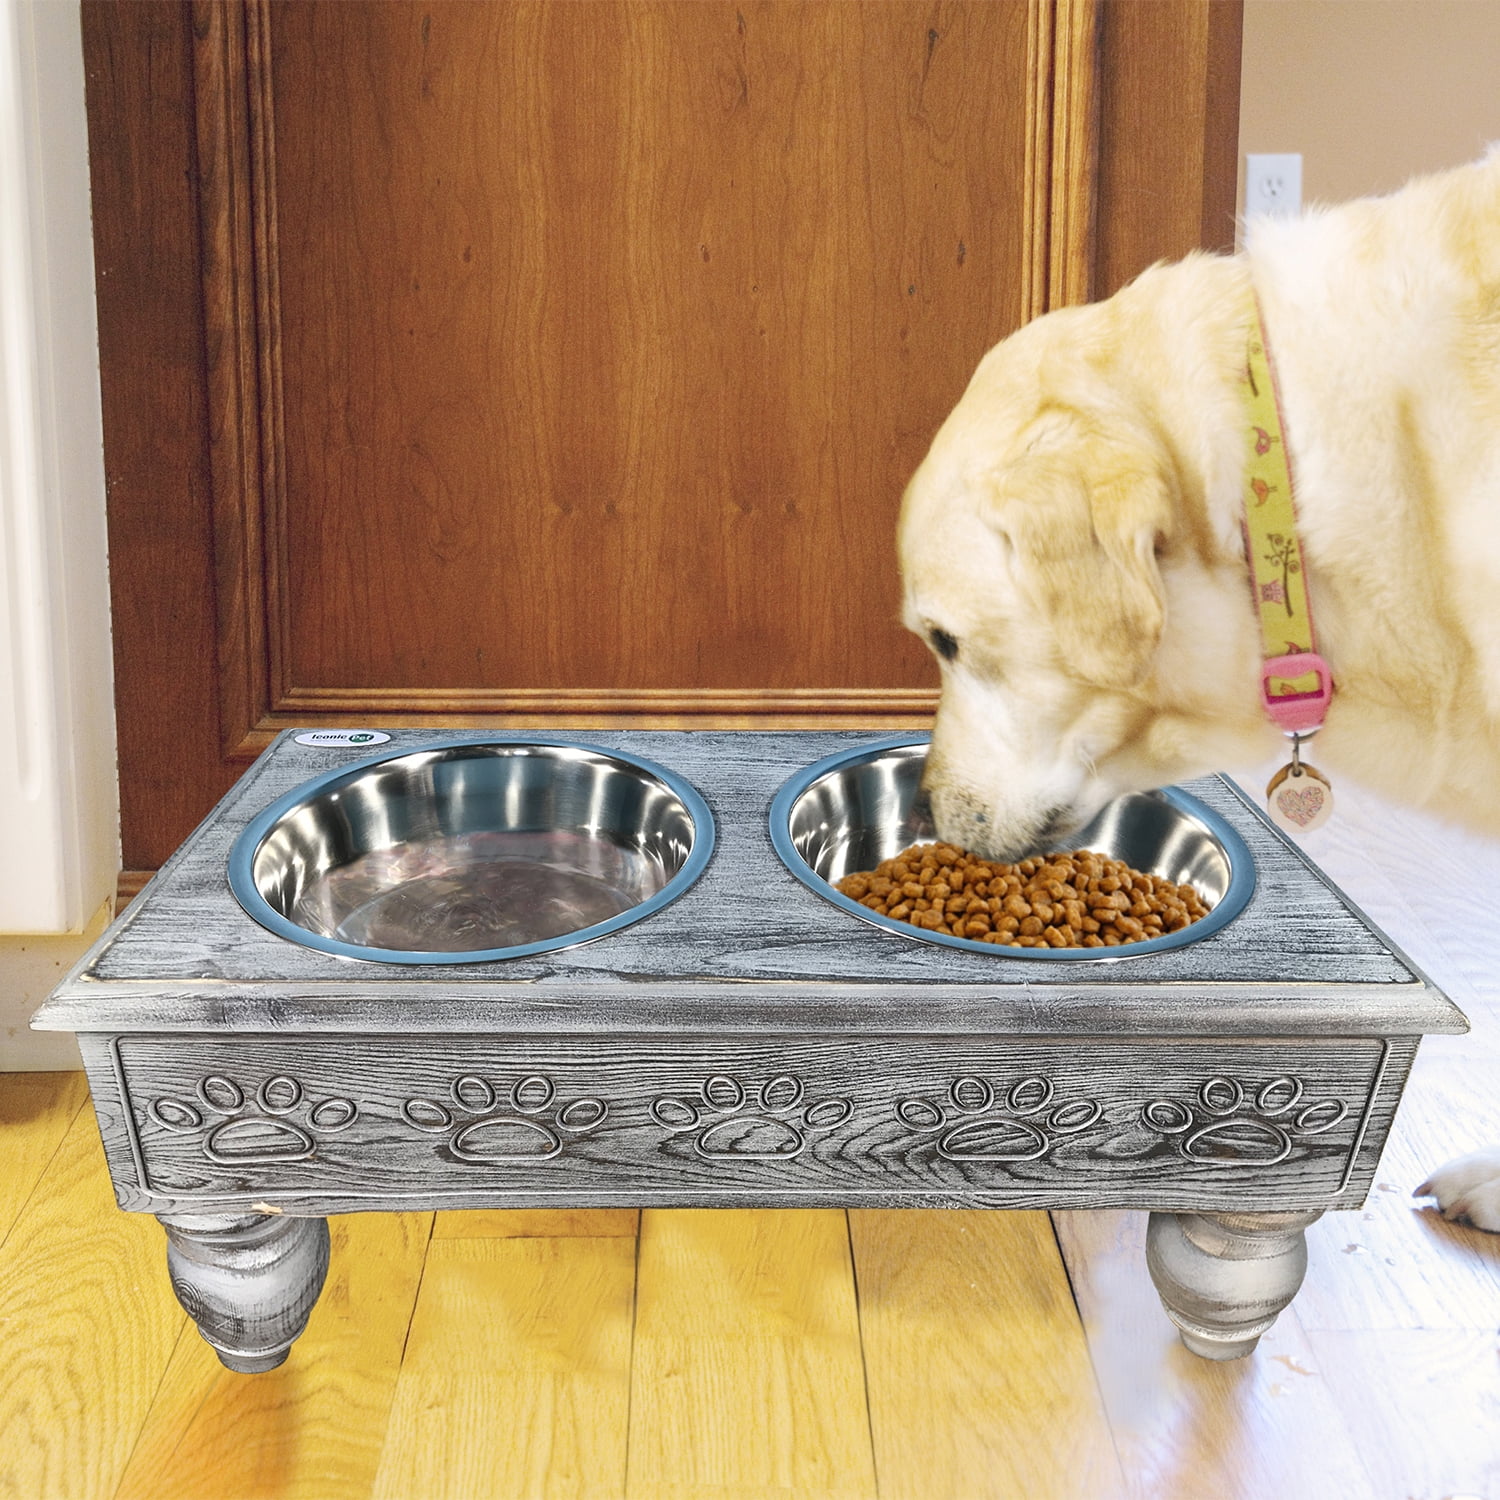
(1061, 153)
(236, 149)
(1127, 127)
(236, 155)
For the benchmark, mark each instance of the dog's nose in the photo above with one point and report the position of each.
(1057, 824)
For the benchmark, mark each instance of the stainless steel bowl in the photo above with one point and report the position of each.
(854, 809)
(469, 851)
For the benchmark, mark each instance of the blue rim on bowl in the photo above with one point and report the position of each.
(892, 770)
(317, 821)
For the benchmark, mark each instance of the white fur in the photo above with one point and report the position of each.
(1468, 1188)
(1076, 528)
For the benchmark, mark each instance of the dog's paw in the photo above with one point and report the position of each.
(1468, 1188)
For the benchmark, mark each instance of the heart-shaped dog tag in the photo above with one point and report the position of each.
(1299, 799)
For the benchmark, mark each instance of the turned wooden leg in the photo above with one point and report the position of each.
(1223, 1277)
(248, 1281)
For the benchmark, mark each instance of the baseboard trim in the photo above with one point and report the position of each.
(128, 885)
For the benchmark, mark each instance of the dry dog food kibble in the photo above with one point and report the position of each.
(1078, 900)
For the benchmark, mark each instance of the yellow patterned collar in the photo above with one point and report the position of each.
(1296, 685)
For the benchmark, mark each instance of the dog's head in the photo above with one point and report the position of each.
(1033, 540)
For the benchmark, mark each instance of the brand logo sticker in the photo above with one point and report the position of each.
(357, 737)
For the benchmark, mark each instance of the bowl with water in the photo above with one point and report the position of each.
(472, 851)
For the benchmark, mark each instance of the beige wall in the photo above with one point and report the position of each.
(1371, 92)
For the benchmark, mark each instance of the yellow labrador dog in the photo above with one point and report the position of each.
(1072, 551)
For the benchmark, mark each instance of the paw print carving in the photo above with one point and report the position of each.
(1224, 1125)
(774, 1124)
(530, 1126)
(981, 1127)
(275, 1124)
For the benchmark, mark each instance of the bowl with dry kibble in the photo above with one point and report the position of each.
(1153, 871)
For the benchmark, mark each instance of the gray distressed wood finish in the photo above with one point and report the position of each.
(1223, 1278)
(324, 1125)
(749, 1044)
(749, 946)
(249, 1281)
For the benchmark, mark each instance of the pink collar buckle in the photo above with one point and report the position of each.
(1296, 711)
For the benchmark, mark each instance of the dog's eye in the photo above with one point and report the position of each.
(943, 643)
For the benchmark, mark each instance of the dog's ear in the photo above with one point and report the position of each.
(1085, 540)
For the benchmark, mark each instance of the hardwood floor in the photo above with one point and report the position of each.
(775, 1353)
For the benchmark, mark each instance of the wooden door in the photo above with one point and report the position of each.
(561, 362)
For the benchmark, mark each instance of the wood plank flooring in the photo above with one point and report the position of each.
(912, 1354)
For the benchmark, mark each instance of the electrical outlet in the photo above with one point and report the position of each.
(1273, 184)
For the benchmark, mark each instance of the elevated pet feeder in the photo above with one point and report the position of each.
(522, 971)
